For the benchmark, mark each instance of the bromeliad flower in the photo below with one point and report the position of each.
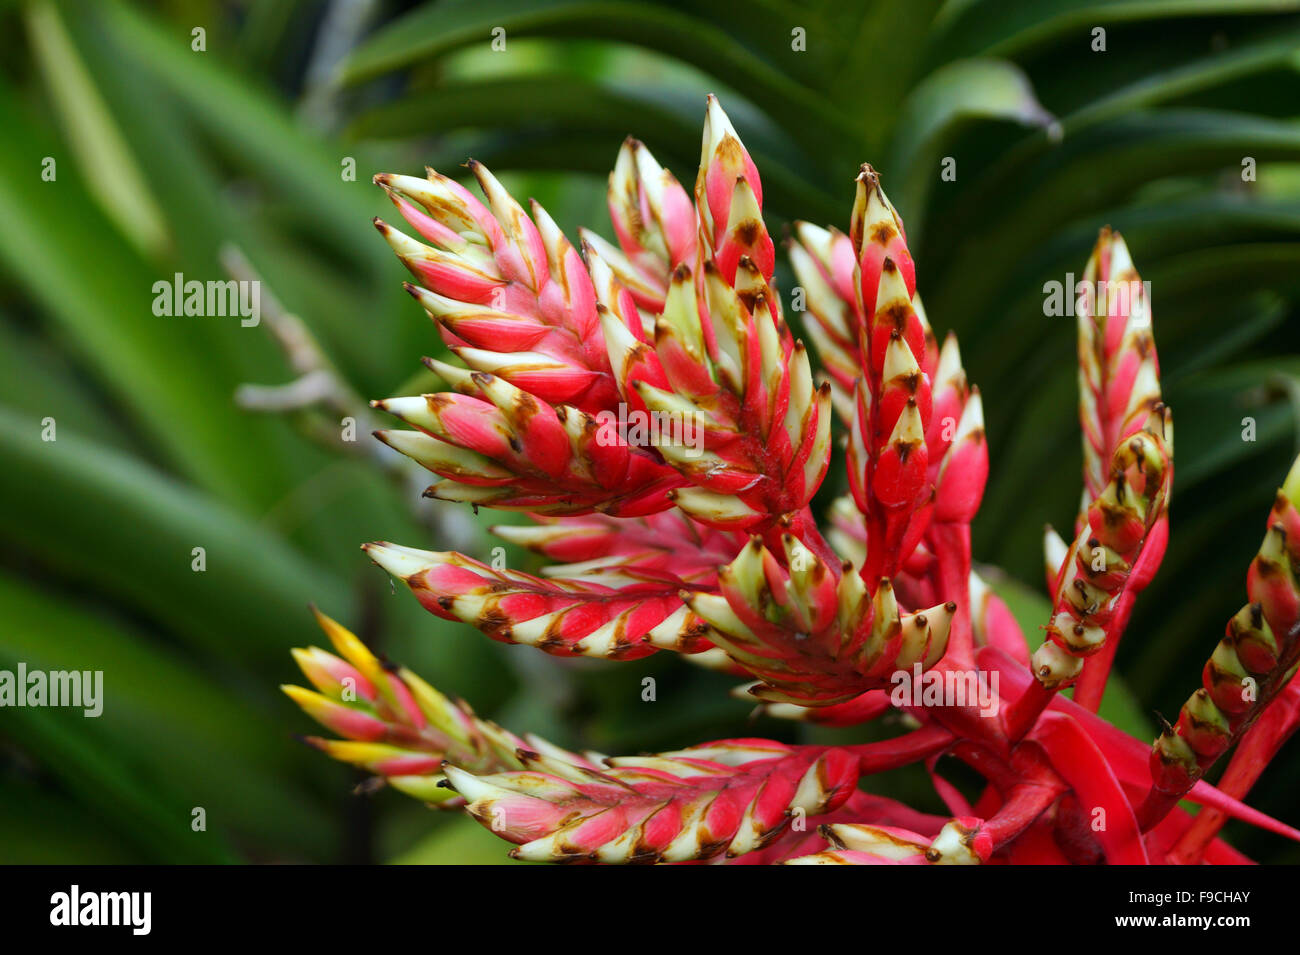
(650, 407)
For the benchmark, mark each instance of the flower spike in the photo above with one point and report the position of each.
(876, 231)
(742, 420)
(501, 446)
(889, 457)
(729, 199)
(497, 284)
(732, 797)
(1252, 666)
(655, 224)
(1122, 527)
(1119, 372)
(810, 639)
(666, 541)
(646, 406)
(1103, 555)
(618, 613)
(1119, 392)
(959, 843)
(398, 727)
(825, 266)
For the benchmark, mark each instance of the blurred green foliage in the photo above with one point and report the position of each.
(166, 155)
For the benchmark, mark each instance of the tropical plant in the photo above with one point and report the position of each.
(696, 535)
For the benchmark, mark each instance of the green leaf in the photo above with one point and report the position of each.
(109, 789)
(177, 731)
(585, 122)
(957, 93)
(111, 171)
(1003, 29)
(248, 121)
(1084, 174)
(100, 294)
(457, 840)
(120, 527)
(877, 55)
(39, 826)
(500, 103)
(37, 379)
(1221, 401)
(1251, 57)
(434, 30)
(1202, 73)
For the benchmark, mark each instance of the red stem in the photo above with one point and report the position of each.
(1155, 807)
(1025, 802)
(1276, 711)
(965, 722)
(1025, 710)
(1257, 748)
(953, 552)
(1091, 685)
(987, 763)
(1028, 789)
(902, 750)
